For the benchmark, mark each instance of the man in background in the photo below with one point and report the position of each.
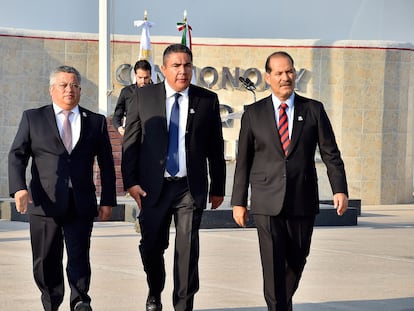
(142, 71)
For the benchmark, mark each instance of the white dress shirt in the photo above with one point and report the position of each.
(74, 119)
(183, 104)
(289, 110)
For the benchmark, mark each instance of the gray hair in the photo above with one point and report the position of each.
(64, 68)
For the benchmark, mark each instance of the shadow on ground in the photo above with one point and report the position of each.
(398, 304)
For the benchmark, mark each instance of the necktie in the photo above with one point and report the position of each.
(172, 160)
(284, 127)
(67, 131)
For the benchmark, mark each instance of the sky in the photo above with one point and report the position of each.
(388, 20)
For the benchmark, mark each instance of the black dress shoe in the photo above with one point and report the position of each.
(153, 304)
(82, 306)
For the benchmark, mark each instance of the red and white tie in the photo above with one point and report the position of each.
(283, 127)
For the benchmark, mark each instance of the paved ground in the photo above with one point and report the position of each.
(366, 267)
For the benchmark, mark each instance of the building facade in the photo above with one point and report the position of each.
(367, 88)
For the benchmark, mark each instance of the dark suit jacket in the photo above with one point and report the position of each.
(146, 142)
(122, 104)
(38, 137)
(277, 182)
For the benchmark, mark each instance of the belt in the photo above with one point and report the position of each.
(175, 178)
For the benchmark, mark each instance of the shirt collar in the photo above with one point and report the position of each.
(58, 110)
(169, 91)
(290, 101)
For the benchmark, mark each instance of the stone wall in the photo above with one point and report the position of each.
(116, 142)
(366, 86)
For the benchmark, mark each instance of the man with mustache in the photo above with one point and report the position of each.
(276, 158)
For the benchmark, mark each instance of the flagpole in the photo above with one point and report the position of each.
(104, 88)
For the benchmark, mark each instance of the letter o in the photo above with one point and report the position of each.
(124, 75)
(256, 73)
(208, 72)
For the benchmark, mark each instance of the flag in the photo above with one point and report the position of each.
(145, 51)
(186, 39)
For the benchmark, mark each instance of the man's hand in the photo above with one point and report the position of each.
(215, 201)
(240, 215)
(22, 200)
(340, 201)
(105, 212)
(136, 192)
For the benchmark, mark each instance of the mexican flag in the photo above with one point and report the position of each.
(186, 39)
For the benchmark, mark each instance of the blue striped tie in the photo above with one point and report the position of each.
(172, 160)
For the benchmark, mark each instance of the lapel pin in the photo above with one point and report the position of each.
(84, 114)
(192, 111)
(300, 118)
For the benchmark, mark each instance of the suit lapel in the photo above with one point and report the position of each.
(160, 101)
(84, 126)
(299, 118)
(269, 118)
(52, 124)
(193, 102)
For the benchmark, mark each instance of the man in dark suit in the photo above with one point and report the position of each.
(142, 69)
(167, 176)
(282, 176)
(62, 190)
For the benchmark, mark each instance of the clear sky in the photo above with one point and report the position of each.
(390, 20)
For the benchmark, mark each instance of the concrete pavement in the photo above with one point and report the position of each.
(366, 267)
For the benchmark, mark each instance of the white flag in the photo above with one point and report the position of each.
(145, 51)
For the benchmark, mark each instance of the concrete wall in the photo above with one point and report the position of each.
(366, 86)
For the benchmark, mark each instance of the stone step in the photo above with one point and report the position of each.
(212, 219)
(354, 203)
(326, 217)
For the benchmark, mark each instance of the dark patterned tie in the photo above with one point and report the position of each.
(172, 160)
(284, 128)
(67, 131)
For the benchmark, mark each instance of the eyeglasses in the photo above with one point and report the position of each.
(63, 86)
